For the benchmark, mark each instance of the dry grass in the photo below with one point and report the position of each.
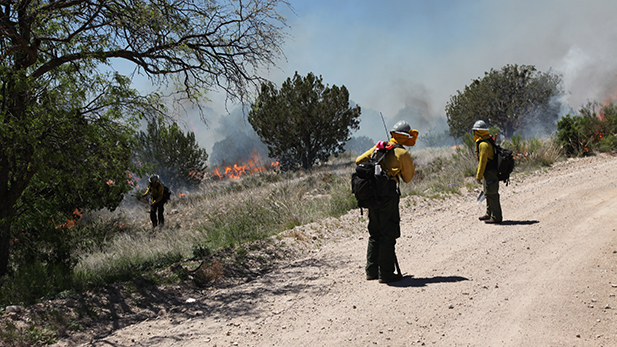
(440, 171)
(221, 214)
(208, 273)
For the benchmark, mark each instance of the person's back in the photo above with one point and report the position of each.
(384, 222)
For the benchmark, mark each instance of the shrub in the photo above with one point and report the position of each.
(608, 144)
(593, 129)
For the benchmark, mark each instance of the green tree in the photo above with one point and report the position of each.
(509, 98)
(64, 113)
(175, 156)
(304, 121)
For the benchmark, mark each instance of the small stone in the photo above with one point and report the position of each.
(14, 308)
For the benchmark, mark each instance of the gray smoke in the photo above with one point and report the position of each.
(239, 144)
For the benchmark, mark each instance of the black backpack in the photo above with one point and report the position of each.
(505, 161)
(369, 183)
(166, 194)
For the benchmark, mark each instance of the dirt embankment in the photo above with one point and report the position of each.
(547, 276)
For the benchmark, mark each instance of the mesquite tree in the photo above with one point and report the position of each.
(63, 110)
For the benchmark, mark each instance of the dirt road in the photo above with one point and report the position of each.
(547, 276)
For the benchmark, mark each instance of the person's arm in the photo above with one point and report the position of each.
(483, 149)
(407, 169)
(366, 156)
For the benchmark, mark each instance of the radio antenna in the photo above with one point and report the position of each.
(385, 127)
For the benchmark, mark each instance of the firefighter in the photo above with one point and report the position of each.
(384, 223)
(156, 189)
(487, 172)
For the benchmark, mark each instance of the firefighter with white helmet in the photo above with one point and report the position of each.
(384, 222)
(486, 174)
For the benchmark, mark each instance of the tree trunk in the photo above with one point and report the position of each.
(5, 239)
(509, 131)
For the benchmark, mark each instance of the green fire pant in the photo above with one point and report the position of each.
(160, 208)
(384, 228)
(491, 191)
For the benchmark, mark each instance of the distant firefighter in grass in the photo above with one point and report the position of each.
(157, 202)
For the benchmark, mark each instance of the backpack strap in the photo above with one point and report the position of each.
(385, 151)
(382, 154)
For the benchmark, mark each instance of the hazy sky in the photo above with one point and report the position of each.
(415, 54)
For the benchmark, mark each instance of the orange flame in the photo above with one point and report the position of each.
(253, 165)
(132, 180)
(72, 222)
(196, 174)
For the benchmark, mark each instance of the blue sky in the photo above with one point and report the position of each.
(398, 57)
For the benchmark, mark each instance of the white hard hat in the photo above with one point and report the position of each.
(401, 127)
(480, 125)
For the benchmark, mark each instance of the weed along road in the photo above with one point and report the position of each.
(546, 276)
